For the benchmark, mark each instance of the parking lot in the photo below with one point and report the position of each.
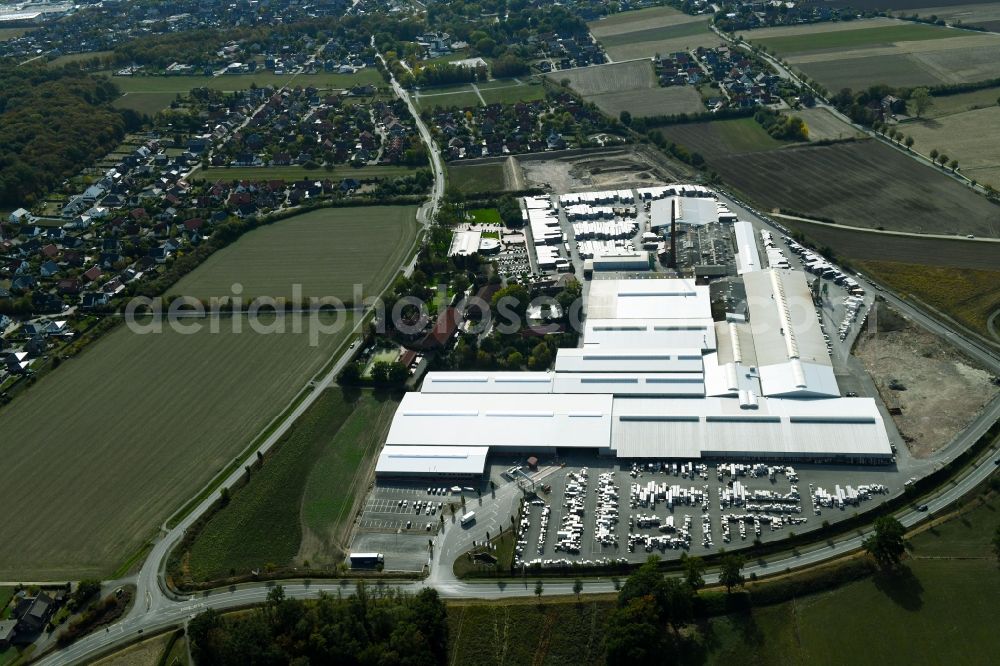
(598, 509)
(399, 518)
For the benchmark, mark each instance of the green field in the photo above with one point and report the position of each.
(11, 33)
(310, 481)
(477, 178)
(947, 105)
(339, 475)
(497, 91)
(968, 295)
(655, 34)
(852, 39)
(124, 433)
(528, 633)
(722, 137)
(485, 215)
(511, 94)
(293, 172)
(326, 251)
(229, 82)
(148, 103)
(78, 57)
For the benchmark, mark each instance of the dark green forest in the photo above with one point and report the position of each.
(371, 626)
(53, 122)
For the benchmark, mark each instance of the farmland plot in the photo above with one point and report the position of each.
(602, 79)
(857, 54)
(644, 33)
(650, 102)
(864, 184)
(629, 86)
(121, 435)
(722, 137)
(326, 251)
(960, 136)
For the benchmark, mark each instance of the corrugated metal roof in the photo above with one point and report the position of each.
(502, 420)
(628, 360)
(432, 460)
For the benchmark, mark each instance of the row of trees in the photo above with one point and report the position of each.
(368, 627)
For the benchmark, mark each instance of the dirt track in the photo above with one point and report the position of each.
(943, 390)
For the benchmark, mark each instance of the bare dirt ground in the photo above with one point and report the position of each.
(943, 392)
(615, 168)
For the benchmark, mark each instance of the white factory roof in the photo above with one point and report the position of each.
(483, 382)
(645, 333)
(668, 427)
(465, 243)
(650, 384)
(648, 299)
(522, 421)
(788, 344)
(747, 257)
(696, 211)
(432, 460)
(655, 377)
(628, 360)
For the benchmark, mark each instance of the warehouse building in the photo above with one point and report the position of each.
(656, 378)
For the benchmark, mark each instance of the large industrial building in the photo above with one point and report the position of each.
(655, 378)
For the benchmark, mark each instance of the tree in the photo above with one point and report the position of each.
(953, 165)
(886, 543)
(538, 589)
(577, 588)
(731, 573)
(921, 98)
(694, 569)
(626, 118)
(934, 154)
(633, 636)
(909, 142)
(943, 159)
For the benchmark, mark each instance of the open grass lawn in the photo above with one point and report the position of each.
(872, 186)
(148, 103)
(326, 251)
(497, 91)
(511, 93)
(309, 478)
(125, 432)
(477, 178)
(656, 34)
(722, 137)
(968, 295)
(11, 33)
(821, 40)
(485, 215)
(6, 594)
(339, 478)
(946, 105)
(229, 82)
(632, 19)
(292, 172)
(78, 57)
(527, 633)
